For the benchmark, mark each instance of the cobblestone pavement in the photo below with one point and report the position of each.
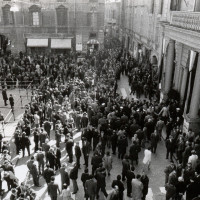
(156, 174)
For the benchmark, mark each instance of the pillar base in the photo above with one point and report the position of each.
(191, 124)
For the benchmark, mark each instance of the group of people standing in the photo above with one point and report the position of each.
(82, 97)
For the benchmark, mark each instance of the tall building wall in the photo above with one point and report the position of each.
(77, 20)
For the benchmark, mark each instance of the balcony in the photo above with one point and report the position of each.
(187, 20)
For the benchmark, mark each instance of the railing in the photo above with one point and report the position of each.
(187, 20)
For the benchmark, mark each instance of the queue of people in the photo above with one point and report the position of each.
(83, 97)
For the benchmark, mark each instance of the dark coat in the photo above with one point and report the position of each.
(125, 165)
(145, 181)
(119, 184)
(122, 144)
(101, 179)
(77, 151)
(25, 142)
(74, 173)
(48, 173)
(133, 151)
(4, 94)
(84, 178)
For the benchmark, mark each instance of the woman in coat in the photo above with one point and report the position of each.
(107, 159)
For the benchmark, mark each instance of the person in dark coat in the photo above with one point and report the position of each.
(122, 144)
(91, 187)
(78, 154)
(154, 141)
(84, 120)
(36, 137)
(125, 167)
(114, 139)
(170, 147)
(5, 97)
(84, 177)
(74, 176)
(133, 152)
(180, 188)
(170, 191)
(145, 181)
(101, 182)
(192, 190)
(85, 151)
(64, 175)
(95, 162)
(69, 149)
(120, 185)
(130, 176)
(11, 100)
(25, 143)
(53, 189)
(33, 171)
(47, 127)
(51, 158)
(58, 157)
(187, 153)
(17, 141)
(48, 173)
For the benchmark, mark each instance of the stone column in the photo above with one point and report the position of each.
(184, 82)
(194, 108)
(169, 65)
(178, 65)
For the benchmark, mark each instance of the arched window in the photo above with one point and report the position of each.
(8, 16)
(35, 12)
(62, 16)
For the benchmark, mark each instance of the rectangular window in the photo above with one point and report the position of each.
(89, 19)
(175, 5)
(36, 19)
(62, 18)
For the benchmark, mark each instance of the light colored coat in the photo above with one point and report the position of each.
(137, 188)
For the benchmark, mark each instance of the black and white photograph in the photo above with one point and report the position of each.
(99, 99)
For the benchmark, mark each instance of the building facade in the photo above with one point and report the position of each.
(53, 25)
(181, 61)
(168, 32)
(140, 29)
(112, 17)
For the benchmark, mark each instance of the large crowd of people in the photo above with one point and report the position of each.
(82, 97)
